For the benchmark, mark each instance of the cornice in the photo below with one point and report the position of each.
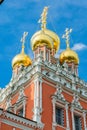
(5, 115)
(56, 74)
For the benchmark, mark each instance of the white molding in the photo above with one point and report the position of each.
(37, 100)
(10, 117)
(84, 119)
(59, 94)
(75, 101)
(72, 116)
(31, 70)
(67, 117)
(16, 125)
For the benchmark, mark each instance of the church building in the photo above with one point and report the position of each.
(45, 93)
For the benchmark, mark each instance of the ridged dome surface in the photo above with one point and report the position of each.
(45, 37)
(69, 56)
(21, 59)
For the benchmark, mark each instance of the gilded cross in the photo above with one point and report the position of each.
(43, 18)
(23, 40)
(67, 36)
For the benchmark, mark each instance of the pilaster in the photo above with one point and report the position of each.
(72, 116)
(37, 100)
(84, 118)
(54, 118)
(67, 117)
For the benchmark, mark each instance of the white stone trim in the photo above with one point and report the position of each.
(45, 53)
(31, 71)
(84, 118)
(76, 102)
(67, 117)
(24, 107)
(16, 125)
(37, 100)
(59, 94)
(72, 116)
(55, 103)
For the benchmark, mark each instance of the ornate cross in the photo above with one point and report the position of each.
(23, 38)
(43, 18)
(67, 36)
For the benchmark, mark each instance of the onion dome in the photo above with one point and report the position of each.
(22, 58)
(45, 36)
(68, 56)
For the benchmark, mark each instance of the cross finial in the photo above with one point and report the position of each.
(43, 18)
(67, 36)
(23, 40)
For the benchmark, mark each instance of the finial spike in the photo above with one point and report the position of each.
(23, 40)
(67, 36)
(43, 18)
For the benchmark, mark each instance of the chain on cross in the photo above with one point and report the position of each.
(67, 36)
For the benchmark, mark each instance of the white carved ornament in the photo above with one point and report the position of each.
(21, 93)
(59, 94)
(76, 102)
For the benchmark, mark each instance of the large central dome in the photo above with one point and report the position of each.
(45, 36)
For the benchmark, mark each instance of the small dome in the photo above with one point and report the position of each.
(69, 56)
(45, 37)
(21, 59)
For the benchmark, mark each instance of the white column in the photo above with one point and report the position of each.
(84, 118)
(54, 113)
(15, 108)
(24, 104)
(67, 117)
(49, 56)
(37, 100)
(41, 96)
(72, 114)
(37, 93)
(44, 53)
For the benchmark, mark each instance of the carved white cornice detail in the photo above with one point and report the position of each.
(55, 71)
(8, 103)
(16, 118)
(58, 94)
(76, 102)
(21, 94)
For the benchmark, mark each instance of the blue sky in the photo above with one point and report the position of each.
(17, 16)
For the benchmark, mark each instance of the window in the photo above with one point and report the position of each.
(20, 112)
(59, 116)
(77, 122)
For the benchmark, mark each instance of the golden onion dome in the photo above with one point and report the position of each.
(22, 58)
(45, 36)
(68, 55)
